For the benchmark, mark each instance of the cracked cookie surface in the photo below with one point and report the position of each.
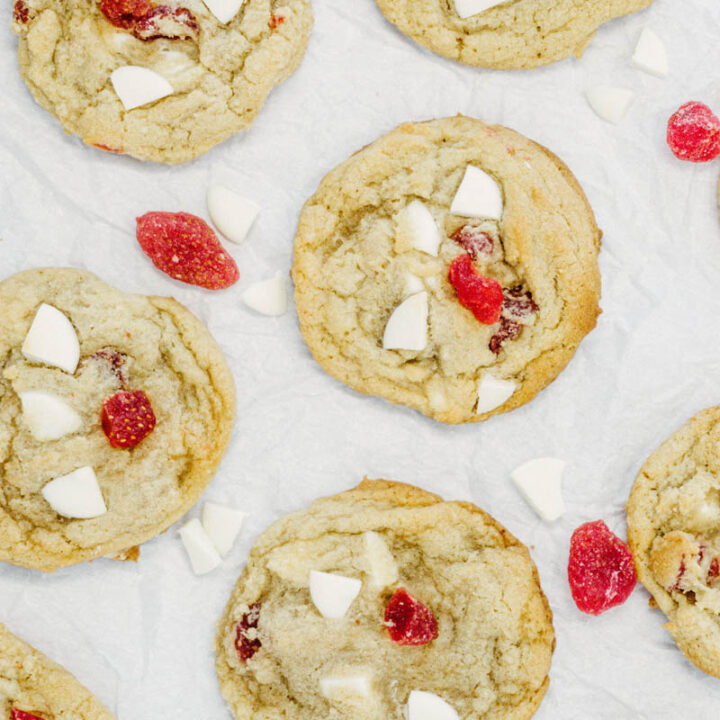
(221, 74)
(32, 683)
(494, 641)
(351, 262)
(674, 533)
(512, 35)
(147, 343)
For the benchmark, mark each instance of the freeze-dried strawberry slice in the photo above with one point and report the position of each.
(166, 22)
(127, 418)
(408, 621)
(247, 646)
(483, 296)
(124, 13)
(115, 362)
(21, 12)
(693, 133)
(509, 330)
(475, 241)
(276, 21)
(601, 572)
(186, 248)
(16, 714)
(519, 303)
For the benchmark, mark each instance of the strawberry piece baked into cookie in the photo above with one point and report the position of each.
(115, 411)
(674, 531)
(384, 603)
(163, 81)
(505, 34)
(33, 687)
(450, 266)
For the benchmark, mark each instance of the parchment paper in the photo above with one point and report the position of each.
(141, 636)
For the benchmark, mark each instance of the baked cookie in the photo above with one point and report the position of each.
(115, 411)
(33, 687)
(162, 81)
(505, 34)
(674, 533)
(383, 597)
(450, 266)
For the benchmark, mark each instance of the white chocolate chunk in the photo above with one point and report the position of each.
(479, 196)
(413, 284)
(650, 55)
(76, 495)
(338, 687)
(493, 392)
(48, 417)
(407, 327)
(232, 214)
(222, 525)
(610, 103)
(333, 594)
(540, 482)
(417, 222)
(468, 8)
(52, 340)
(224, 10)
(383, 568)
(200, 549)
(428, 706)
(137, 86)
(268, 297)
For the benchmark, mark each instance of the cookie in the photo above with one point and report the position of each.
(33, 687)
(508, 35)
(673, 519)
(438, 598)
(104, 449)
(219, 74)
(450, 266)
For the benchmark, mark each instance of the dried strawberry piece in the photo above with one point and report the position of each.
(276, 21)
(713, 570)
(16, 714)
(246, 646)
(519, 303)
(693, 133)
(115, 360)
(21, 12)
(166, 22)
(601, 571)
(124, 13)
(127, 418)
(481, 295)
(475, 241)
(509, 330)
(187, 249)
(106, 148)
(408, 621)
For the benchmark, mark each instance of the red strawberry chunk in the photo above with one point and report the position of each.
(509, 330)
(601, 571)
(127, 418)
(185, 247)
(21, 12)
(246, 645)
(16, 714)
(124, 13)
(408, 621)
(693, 133)
(481, 295)
(476, 243)
(166, 22)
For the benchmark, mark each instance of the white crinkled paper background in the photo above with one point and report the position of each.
(141, 636)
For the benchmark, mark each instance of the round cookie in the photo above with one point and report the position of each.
(357, 259)
(126, 343)
(673, 519)
(32, 683)
(277, 656)
(509, 35)
(221, 74)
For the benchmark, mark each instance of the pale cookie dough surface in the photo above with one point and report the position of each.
(350, 265)
(221, 76)
(674, 533)
(165, 351)
(513, 35)
(33, 683)
(493, 651)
